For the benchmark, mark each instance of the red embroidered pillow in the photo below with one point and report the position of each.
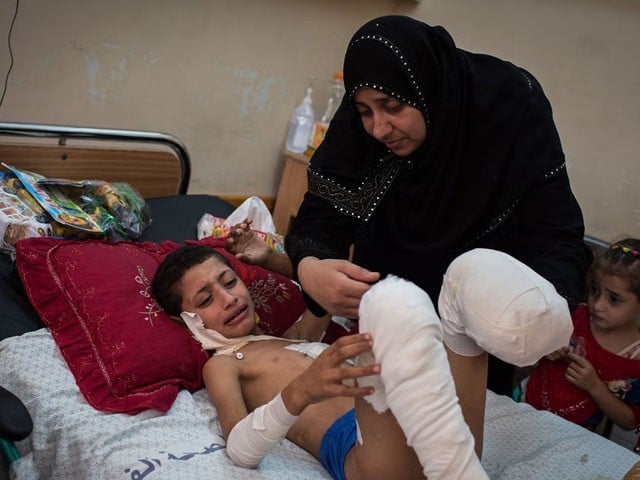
(125, 353)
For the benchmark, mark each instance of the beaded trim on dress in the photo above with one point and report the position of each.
(361, 202)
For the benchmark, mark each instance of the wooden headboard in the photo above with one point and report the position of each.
(156, 164)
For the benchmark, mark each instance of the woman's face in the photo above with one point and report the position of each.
(399, 126)
(214, 291)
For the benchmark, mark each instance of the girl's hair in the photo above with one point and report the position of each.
(621, 259)
(164, 285)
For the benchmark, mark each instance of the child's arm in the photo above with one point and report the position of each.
(308, 327)
(222, 379)
(581, 373)
(278, 262)
(250, 248)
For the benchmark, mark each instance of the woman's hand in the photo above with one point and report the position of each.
(581, 373)
(328, 376)
(337, 285)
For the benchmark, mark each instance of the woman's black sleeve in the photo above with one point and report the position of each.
(321, 231)
(552, 237)
(551, 226)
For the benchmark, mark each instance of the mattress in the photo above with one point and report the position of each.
(71, 440)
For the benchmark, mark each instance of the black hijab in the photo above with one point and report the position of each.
(458, 183)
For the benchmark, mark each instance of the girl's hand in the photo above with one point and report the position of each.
(328, 376)
(558, 355)
(581, 373)
(337, 285)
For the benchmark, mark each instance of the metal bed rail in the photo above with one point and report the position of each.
(63, 133)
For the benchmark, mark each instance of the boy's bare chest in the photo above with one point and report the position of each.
(270, 359)
(265, 368)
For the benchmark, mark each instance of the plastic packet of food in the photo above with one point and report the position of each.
(55, 202)
(20, 215)
(253, 208)
(88, 208)
(116, 207)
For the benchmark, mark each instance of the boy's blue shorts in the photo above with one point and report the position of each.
(336, 442)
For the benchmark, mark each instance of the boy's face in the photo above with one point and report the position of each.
(219, 297)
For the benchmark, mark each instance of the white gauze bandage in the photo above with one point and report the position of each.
(415, 380)
(492, 302)
(257, 433)
(213, 340)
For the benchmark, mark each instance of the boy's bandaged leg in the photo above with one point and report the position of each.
(492, 302)
(415, 381)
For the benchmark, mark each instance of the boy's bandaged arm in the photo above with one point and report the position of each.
(247, 445)
(257, 433)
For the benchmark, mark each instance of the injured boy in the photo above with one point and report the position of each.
(380, 404)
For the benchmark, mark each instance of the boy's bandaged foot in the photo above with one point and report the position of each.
(492, 302)
(415, 381)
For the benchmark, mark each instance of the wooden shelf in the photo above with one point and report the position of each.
(293, 186)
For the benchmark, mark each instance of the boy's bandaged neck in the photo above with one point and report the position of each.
(213, 340)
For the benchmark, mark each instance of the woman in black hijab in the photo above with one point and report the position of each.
(434, 151)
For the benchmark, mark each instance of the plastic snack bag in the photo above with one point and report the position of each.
(61, 208)
(211, 226)
(87, 208)
(20, 215)
(117, 208)
(253, 208)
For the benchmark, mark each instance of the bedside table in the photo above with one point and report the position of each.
(293, 186)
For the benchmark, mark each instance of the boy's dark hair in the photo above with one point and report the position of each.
(172, 269)
(621, 259)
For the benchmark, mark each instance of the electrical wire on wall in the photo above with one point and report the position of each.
(6, 78)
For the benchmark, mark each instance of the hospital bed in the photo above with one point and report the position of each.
(72, 439)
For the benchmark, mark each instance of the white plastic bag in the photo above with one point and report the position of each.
(253, 208)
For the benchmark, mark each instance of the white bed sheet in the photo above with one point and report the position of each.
(71, 440)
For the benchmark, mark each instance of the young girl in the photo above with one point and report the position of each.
(598, 372)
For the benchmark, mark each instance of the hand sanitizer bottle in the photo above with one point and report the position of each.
(301, 125)
(336, 92)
